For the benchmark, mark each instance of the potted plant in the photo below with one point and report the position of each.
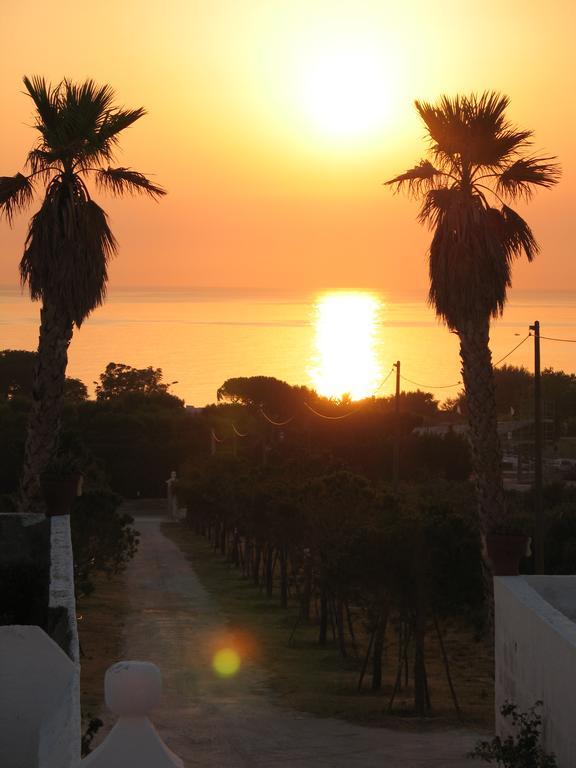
(61, 483)
(506, 544)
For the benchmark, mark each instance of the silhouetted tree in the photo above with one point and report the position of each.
(479, 160)
(69, 241)
(17, 374)
(119, 378)
(265, 392)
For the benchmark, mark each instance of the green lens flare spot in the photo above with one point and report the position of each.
(226, 662)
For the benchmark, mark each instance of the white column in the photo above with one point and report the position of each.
(132, 689)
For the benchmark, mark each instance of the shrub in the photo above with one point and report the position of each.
(103, 539)
(522, 749)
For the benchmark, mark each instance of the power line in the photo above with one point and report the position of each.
(354, 410)
(550, 338)
(276, 423)
(496, 364)
(384, 380)
(431, 386)
(333, 418)
(239, 434)
(513, 350)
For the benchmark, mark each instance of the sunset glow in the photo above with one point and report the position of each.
(273, 126)
(345, 89)
(346, 345)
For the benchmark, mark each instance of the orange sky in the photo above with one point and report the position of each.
(273, 157)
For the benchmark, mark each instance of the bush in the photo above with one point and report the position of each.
(522, 749)
(103, 539)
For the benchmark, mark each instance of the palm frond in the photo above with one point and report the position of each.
(16, 193)
(470, 268)
(491, 151)
(436, 205)
(67, 251)
(516, 235)
(40, 160)
(123, 180)
(418, 179)
(444, 123)
(114, 122)
(520, 178)
(46, 100)
(87, 100)
(84, 107)
(101, 144)
(473, 128)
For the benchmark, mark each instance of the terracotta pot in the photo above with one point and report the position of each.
(60, 493)
(505, 551)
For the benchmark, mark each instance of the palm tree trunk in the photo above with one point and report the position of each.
(478, 376)
(47, 399)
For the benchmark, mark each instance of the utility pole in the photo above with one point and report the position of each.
(538, 503)
(396, 450)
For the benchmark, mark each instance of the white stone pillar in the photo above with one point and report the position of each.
(171, 500)
(132, 689)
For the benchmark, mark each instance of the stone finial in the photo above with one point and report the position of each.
(132, 688)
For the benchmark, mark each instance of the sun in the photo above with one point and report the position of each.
(346, 90)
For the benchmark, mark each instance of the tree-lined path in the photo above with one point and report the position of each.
(235, 723)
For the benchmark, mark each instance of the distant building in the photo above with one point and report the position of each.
(441, 429)
(192, 410)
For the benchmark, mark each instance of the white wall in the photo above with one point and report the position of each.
(60, 733)
(35, 677)
(39, 679)
(535, 655)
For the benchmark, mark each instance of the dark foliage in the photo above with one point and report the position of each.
(17, 373)
(120, 379)
(103, 539)
(92, 728)
(521, 749)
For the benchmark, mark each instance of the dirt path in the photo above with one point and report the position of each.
(235, 723)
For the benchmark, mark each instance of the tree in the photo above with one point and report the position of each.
(265, 392)
(17, 374)
(119, 379)
(103, 539)
(69, 242)
(478, 157)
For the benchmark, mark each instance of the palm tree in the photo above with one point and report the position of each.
(69, 242)
(479, 162)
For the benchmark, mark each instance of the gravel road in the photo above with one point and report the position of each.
(235, 723)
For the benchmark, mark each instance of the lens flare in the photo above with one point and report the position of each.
(226, 662)
(346, 360)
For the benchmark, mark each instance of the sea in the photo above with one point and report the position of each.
(334, 341)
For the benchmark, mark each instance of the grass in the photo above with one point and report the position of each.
(309, 678)
(101, 621)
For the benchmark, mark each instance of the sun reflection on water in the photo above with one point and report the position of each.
(346, 360)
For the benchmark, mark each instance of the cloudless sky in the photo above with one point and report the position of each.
(273, 124)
